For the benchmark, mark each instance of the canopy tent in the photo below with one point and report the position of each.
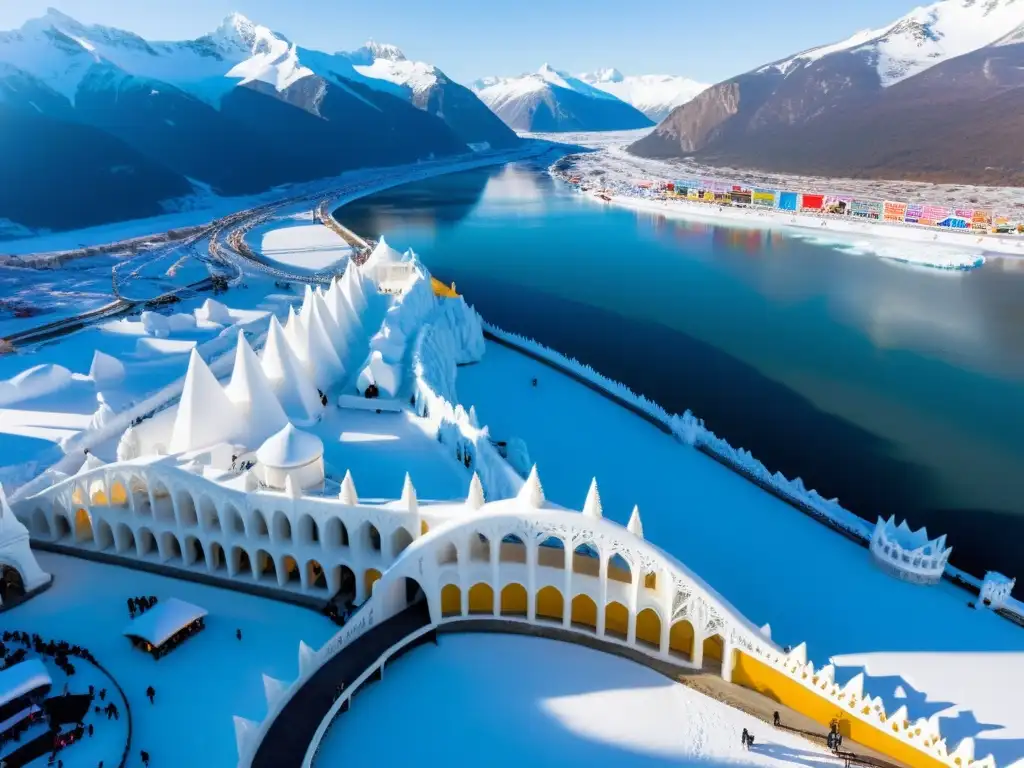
(170, 619)
(23, 678)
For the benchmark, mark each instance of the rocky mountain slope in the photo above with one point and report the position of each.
(429, 89)
(239, 110)
(551, 101)
(654, 95)
(934, 96)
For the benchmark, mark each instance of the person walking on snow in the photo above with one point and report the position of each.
(744, 738)
(776, 719)
(238, 634)
(151, 692)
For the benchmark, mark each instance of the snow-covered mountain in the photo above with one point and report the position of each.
(549, 101)
(429, 89)
(899, 101)
(240, 109)
(654, 95)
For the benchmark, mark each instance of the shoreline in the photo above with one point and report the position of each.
(875, 236)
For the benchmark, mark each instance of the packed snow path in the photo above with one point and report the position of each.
(508, 700)
(285, 743)
(772, 562)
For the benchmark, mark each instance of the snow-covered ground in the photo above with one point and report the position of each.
(300, 244)
(510, 701)
(773, 563)
(199, 686)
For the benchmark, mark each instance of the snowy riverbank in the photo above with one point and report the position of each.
(926, 248)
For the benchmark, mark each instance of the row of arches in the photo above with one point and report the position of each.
(188, 511)
(584, 559)
(581, 613)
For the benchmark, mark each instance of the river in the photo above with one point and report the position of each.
(897, 389)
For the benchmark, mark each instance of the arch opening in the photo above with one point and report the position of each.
(187, 514)
(713, 648)
(512, 550)
(264, 567)
(208, 517)
(680, 639)
(282, 527)
(232, 522)
(451, 600)
(215, 558)
(40, 525)
(145, 542)
(584, 612)
(400, 539)
(481, 599)
(514, 600)
(479, 548)
(194, 552)
(447, 554)
(586, 560)
(257, 525)
(549, 604)
(616, 620)
(289, 572)
(371, 577)
(551, 553)
(343, 585)
(619, 569)
(61, 527)
(648, 628)
(12, 586)
(308, 532)
(118, 494)
(124, 538)
(104, 535)
(316, 578)
(171, 548)
(83, 526)
(241, 564)
(335, 534)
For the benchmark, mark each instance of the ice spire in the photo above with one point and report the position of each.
(408, 500)
(592, 506)
(251, 392)
(294, 391)
(475, 499)
(635, 526)
(348, 493)
(323, 363)
(532, 491)
(205, 415)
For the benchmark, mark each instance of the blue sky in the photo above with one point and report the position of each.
(702, 39)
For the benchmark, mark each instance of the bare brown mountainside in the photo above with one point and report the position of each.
(959, 121)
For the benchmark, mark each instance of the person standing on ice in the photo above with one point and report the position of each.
(238, 634)
(151, 692)
(744, 738)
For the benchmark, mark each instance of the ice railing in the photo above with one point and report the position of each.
(924, 734)
(435, 371)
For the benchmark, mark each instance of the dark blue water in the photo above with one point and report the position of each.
(898, 389)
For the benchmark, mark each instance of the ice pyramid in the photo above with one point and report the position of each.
(253, 395)
(294, 389)
(205, 415)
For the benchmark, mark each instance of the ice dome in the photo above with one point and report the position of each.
(290, 447)
(291, 453)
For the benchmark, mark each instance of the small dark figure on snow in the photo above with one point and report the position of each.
(145, 756)
(744, 738)
(90, 729)
(103, 693)
(534, 382)
(238, 634)
(776, 719)
(150, 692)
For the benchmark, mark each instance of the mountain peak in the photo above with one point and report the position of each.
(610, 75)
(384, 51)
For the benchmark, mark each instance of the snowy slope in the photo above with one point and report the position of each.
(654, 95)
(378, 61)
(923, 38)
(550, 100)
(385, 68)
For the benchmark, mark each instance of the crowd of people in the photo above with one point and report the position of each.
(139, 605)
(61, 652)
